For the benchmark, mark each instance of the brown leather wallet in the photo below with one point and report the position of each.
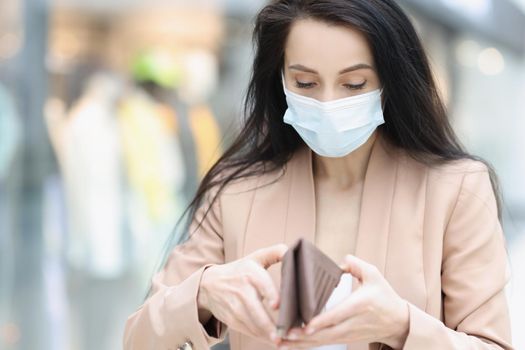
(308, 278)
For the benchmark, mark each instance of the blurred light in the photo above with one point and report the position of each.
(201, 75)
(68, 45)
(10, 333)
(467, 53)
(477, 9)
(65, 49)
(54, 106)
(491, 61)
(9, 45)
(158, 66)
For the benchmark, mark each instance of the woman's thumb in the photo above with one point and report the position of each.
(269, 255)
(356, 267)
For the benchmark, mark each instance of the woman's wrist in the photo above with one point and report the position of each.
(401, 323)
(202, 300)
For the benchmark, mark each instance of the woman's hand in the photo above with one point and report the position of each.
(373, 312)
(242, 294)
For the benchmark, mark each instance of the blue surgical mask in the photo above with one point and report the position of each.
(334, 128)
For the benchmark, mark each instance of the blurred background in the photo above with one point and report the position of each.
(111, 111)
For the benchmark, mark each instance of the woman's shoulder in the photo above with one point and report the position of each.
(440, 167)
(248, 179)
(458, 167)
(434, 166)
(468, 172)
(446, 182)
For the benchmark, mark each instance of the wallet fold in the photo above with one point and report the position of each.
(308, 278)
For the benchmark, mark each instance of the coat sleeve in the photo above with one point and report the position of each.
(473, 276)
(169, 317)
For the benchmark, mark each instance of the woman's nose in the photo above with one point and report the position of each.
(328, 95)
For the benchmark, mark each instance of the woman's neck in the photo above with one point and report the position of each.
(344, 172)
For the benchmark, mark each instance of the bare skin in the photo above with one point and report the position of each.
(242, 294)
(338, 203)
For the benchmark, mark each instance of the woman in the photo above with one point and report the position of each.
(346, 144)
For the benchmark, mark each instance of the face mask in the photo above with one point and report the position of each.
(334, 128)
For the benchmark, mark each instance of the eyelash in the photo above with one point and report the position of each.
(311, 85)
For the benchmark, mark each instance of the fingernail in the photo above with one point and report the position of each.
(310, 331)
(273, 336)
(293, 336)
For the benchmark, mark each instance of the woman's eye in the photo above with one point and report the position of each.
(355, 86)
(301, 85)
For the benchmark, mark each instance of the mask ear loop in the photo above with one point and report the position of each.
(383, 101)
(282, 80)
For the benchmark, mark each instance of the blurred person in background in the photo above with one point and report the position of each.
(10, 132)
(10, 137)
(347, 144)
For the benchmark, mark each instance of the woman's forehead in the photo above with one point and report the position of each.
(317, 44)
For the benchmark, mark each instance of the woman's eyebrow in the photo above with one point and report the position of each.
(358, 66)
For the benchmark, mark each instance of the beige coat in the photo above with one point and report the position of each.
(433, 232)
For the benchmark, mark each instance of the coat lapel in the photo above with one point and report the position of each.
(376, 206)
(374, 217)
(300, 221)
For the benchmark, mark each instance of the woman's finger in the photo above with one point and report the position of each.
(273, 313)
(269, 255)
(336, 334)
(241, 314)
(330, 335)
(265, 286)
(349, 308)
(257, 314)
(360, 269)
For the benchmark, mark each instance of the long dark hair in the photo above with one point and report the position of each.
(415, 117)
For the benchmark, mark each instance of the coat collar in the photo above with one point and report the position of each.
(376, 203)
